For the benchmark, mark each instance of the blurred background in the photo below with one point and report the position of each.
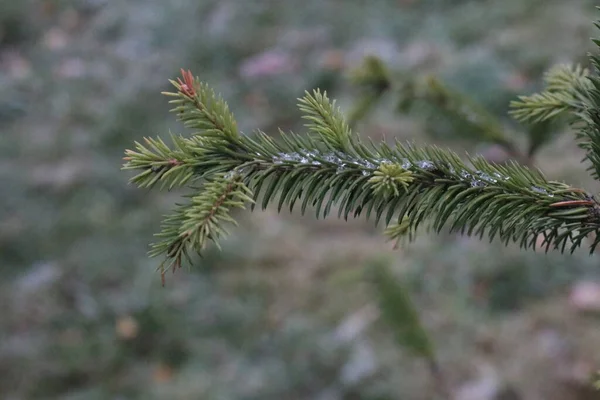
(285, 310)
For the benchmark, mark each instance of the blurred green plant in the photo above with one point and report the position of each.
(399, 312)
(434, 100)
(15, 26)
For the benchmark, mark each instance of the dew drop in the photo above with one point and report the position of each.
(243, 170)
(279, 158)
(426, 165)
(486, 177)
(230, 175)
(331, 158)
(469, 115)
(406, 164)
(465, 175)
(540, 190)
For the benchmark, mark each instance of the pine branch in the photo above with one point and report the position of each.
(332, 169)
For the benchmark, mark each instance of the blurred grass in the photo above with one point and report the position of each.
(84, 316)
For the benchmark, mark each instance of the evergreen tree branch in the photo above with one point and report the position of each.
(565, 77)
(200, 108)
(589, 134)
(399, 231)
(566, 91)
(326, 120)
(331, 169)
(572, 90)
(160, 163)
(201, 220)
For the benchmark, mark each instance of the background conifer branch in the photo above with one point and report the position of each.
(437, 101)
(399, 312)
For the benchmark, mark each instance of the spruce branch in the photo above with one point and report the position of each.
(566, 91)
(399, 231)
(331, 169)
(160, 163)
(200, 108)
(566, 76)
(572, 90)
(326, 120)
(589, 134)
(201, 220)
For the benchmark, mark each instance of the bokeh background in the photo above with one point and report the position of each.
(283, 311)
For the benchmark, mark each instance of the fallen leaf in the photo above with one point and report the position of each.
(127, 328)
(162, 373)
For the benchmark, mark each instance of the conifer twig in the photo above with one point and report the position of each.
(333, 169)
